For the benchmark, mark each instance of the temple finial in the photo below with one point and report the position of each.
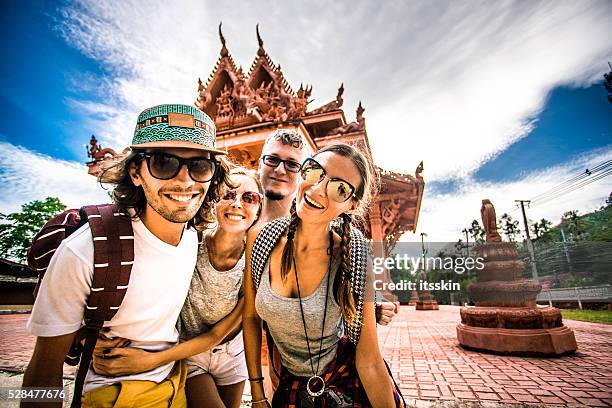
(360, 111)
(224, 52)
(259, 40)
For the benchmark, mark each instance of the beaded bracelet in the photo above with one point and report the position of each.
(257, 402)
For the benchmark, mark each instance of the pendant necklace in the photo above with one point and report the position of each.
(315, 384)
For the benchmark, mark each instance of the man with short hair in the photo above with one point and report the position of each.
(171, 174)
(279, 165)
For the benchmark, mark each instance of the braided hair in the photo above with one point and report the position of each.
(343, 290)
(288, 250)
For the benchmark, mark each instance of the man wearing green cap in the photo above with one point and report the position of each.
(168, 184)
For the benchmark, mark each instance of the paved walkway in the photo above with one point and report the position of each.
(422, 346)
(422, 350)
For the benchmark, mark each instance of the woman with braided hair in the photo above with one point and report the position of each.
(315, 292)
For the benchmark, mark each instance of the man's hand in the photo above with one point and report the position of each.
(385, 311)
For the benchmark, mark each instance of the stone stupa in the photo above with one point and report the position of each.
(506, 318)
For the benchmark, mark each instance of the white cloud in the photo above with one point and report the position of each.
(449, 83)
(443, 216)
(28, 176)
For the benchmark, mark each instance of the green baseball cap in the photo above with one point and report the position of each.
(175, 126)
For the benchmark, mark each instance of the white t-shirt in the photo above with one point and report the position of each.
(158, 285)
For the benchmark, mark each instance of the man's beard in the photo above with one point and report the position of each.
(274, 196)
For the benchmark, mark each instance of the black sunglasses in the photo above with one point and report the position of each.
(166, 166)
(338, 190)
(273, 161)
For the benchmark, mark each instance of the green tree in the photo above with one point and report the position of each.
(18, 229)
(477, 232)
(573, 222)
(541, 228)
(510, 227)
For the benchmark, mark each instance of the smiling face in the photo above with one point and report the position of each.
(234, 215)
(176, 200)
(312, 201)
(278, 183)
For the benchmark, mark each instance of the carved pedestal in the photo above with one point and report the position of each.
(428, 304)
(426, 300)
(506, 318)
(414, 298)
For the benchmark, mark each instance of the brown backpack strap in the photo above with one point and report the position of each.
(113, 240)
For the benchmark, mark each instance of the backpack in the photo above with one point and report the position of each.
(113, 240)
(269, 236)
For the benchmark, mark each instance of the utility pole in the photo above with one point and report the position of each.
(423, 235)
(567, 255)
(534, 268)
(467, 242)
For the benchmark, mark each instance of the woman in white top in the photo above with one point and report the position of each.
(210, 321)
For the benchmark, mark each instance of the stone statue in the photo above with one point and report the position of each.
(224, 103)
(489, 221)
(390, 214)
(506, 318)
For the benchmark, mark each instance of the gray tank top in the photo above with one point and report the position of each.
(282, 314)
(212, 295)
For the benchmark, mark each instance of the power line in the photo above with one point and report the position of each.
(575, 187)
(569, 183)
(583, 179)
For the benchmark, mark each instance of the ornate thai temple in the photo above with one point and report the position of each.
(247, 107)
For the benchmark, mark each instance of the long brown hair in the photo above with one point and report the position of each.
(129, 196)
(364, 193)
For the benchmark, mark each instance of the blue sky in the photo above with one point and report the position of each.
(494, 97)
(37, 72)
(574, 121)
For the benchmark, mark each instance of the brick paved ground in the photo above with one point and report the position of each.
(422, 347)
(422, 350)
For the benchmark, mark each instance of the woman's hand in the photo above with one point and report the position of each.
(115, 362)
(104, 343)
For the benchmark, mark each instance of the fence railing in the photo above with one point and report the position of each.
(602, 293)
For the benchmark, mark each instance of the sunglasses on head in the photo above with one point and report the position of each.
(338, 190)
(247, 198)
(166, 166)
